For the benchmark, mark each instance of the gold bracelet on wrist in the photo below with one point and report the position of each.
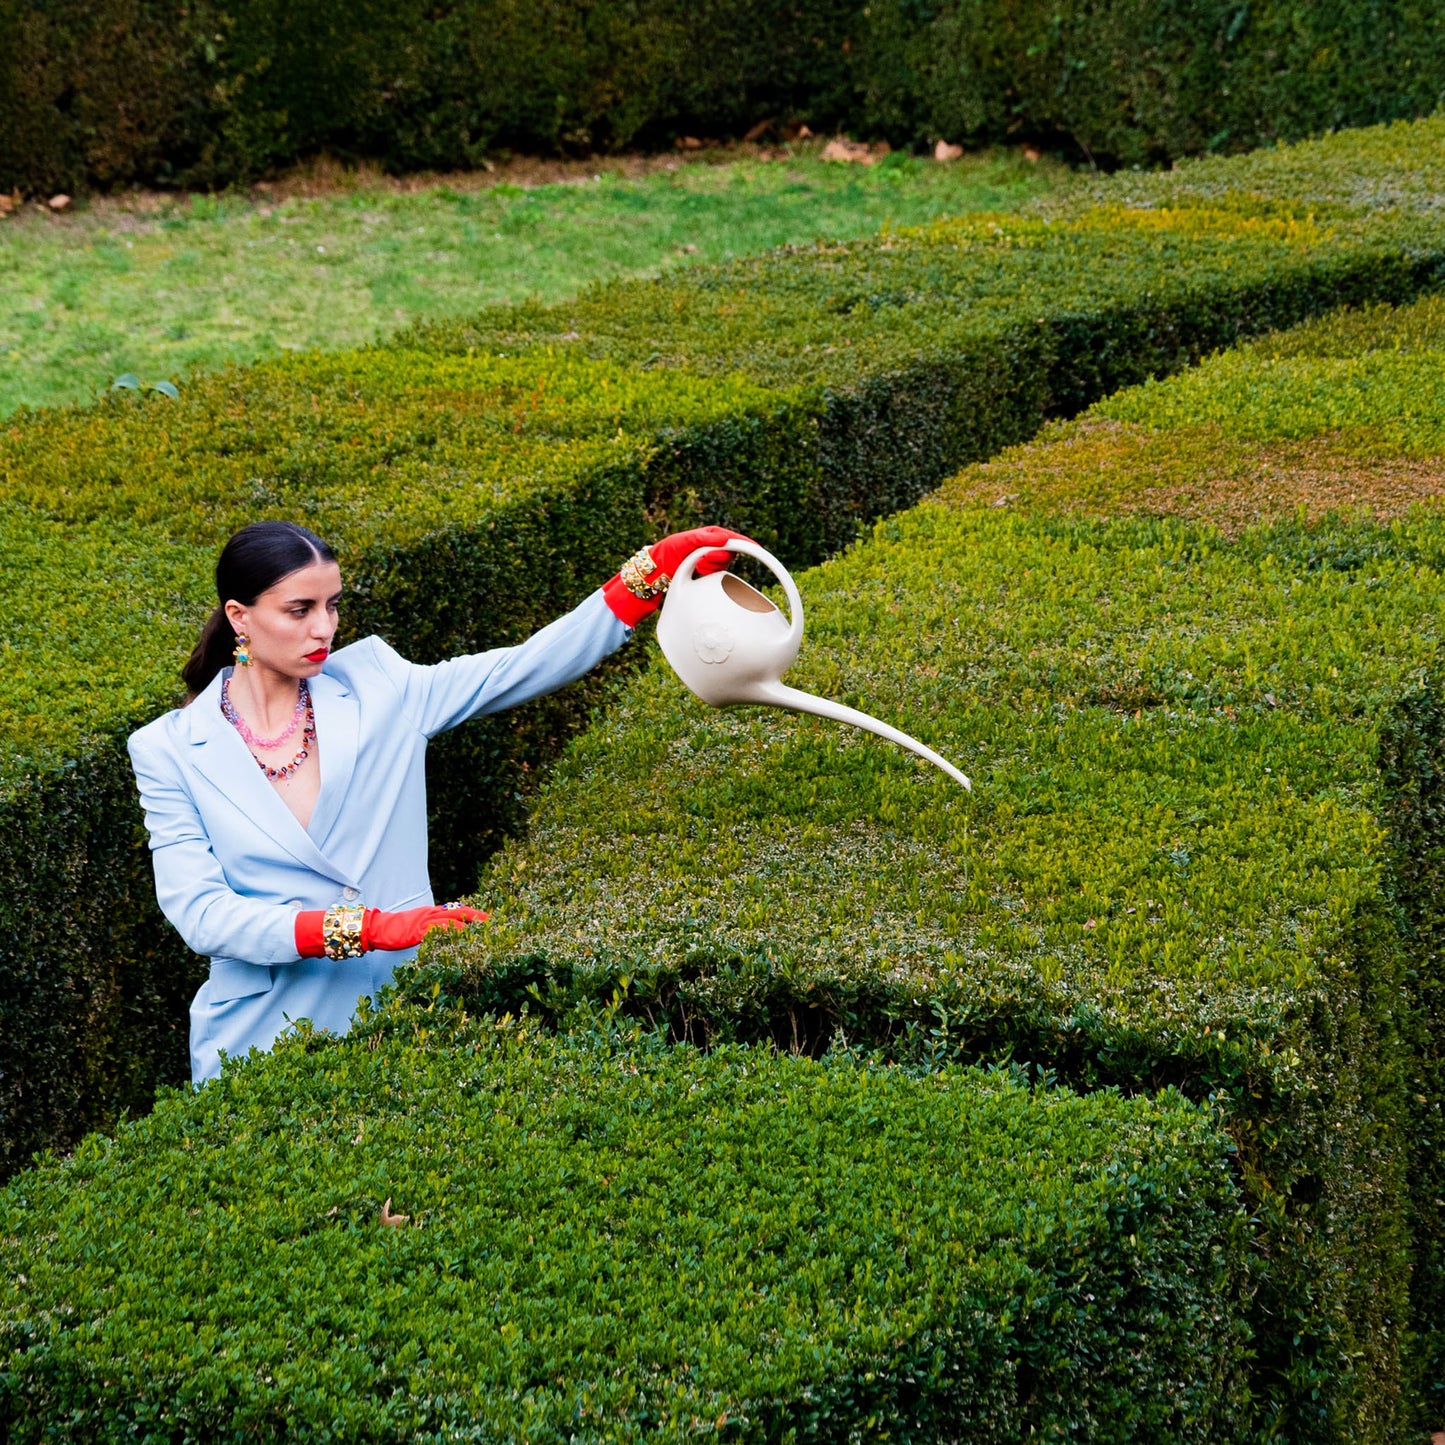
(341, 930)
(637, 576)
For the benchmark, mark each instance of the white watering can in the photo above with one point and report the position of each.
(731, 645)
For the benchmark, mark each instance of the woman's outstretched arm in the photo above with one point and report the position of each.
(440, 695)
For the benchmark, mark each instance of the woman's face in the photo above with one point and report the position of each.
(289, 627)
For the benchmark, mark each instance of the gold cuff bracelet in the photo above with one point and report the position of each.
(636, 571)
(341, 930)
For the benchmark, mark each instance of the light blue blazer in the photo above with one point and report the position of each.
(233, 865)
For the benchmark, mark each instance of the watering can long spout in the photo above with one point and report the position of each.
(731, 645)
(780, 695)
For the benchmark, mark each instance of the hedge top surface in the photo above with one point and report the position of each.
(373, 447)
(1342, 414)
(1397, 168)
(832, 312)
(1372, 380)
(1172, 736)
(835, 313)
(614, 1242)
(1143, 712)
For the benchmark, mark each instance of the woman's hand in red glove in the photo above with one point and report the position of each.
(401, 930)
(664, 557)
(389, 931)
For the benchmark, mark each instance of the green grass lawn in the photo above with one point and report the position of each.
(155, 286)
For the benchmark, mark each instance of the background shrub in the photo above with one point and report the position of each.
(220, 91)
(213, 93)
(1133, 82)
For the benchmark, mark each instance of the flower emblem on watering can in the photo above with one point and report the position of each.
(713, 642)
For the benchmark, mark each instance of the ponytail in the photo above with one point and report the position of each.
(253, 561)
(213, 650)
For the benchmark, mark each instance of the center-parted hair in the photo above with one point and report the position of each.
(254, 560)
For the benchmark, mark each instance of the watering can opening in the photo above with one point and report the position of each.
(745, 595)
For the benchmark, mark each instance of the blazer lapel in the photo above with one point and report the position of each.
(217, 750)
(337, 726)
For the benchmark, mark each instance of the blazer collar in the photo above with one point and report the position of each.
(219, 752)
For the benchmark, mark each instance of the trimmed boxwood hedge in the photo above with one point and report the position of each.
(480, 478)
(606, 1239)
(111, 91)
(1201, 850)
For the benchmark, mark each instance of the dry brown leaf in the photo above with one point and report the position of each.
(58, 203)
(945, 151)
(387, 1217)
(840, 148)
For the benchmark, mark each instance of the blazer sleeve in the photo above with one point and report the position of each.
(191, 886)
(438, 696)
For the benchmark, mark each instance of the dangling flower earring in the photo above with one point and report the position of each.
(243, 657)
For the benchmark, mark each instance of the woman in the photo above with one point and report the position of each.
(286, 800)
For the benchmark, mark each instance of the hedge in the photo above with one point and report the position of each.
(613, 1241)
(1202, 849)
(100, 94)
(482, 477)
(1127, 83)
(211, 94)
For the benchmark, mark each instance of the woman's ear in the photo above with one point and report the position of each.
(236, 615)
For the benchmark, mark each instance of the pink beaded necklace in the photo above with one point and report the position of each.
(308, 736)
(303, 699)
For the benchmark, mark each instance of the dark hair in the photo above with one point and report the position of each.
(255, 559)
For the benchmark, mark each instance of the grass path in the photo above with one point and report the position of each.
(156, 285)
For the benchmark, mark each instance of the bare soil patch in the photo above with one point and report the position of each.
(1100, 468)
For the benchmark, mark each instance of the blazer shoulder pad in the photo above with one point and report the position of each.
(365, 659)
(158, 735)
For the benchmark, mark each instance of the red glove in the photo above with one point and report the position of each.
(390, 931)
(667, 555)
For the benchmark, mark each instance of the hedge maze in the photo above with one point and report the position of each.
(1103, 1102)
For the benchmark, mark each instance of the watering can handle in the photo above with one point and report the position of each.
(750, 548)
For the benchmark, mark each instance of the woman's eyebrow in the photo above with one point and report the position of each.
(298, 601)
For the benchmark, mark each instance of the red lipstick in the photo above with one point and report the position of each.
(318, 656)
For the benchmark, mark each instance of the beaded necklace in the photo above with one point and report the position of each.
(239, 723)
(308, 736)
